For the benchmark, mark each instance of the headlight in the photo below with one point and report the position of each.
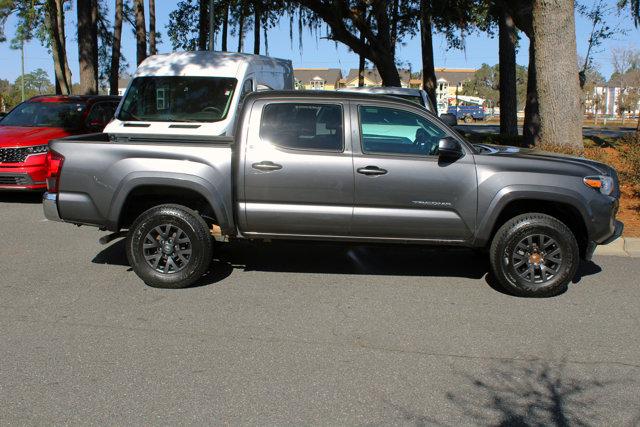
(602, 183)
(37, 149)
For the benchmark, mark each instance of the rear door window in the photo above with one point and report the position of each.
(301, 126)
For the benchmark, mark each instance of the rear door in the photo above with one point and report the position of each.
(298, 172)
(403, 190)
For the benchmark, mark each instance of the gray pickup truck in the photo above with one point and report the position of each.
(334, 166)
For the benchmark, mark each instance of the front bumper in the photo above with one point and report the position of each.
(30, 175)
(619, 228)
(50, 207)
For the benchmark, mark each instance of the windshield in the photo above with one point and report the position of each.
(178, 99)
(67, 115)
(413, 98)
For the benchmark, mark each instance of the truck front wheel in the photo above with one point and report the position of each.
(169, 246)
(534, 255)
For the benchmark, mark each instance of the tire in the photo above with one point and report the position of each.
(468, 119)
(534, 255)
(181, 240)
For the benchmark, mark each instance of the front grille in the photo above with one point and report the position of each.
(15, 179)
(14, 155)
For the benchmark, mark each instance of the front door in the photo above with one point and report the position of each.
(298, 171)
(403, 190)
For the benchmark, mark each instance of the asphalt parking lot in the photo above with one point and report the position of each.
(294, 334)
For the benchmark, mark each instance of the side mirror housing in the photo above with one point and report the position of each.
(449, 119)
(449, 148)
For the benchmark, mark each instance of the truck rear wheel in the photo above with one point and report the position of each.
(169, 246)
(468, 119)
(534, 255)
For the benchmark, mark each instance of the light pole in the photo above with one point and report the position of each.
(22, 59)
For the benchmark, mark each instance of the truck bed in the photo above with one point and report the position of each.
(102, 170)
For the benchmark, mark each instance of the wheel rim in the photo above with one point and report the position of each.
(537, 258)
(167, 249)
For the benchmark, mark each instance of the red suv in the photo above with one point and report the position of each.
(28, 128)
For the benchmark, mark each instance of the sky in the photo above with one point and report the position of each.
(318, 52)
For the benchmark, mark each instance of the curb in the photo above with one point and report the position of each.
(623, 246)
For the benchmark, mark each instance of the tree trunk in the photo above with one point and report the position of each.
(225, 26)
(361, 63)
(241, 29)
(141, 32)
(152, 27)
(203, 24)
(256, 27)
(54, 23)
(63, 42)
(386, 66)
(394, 25)
(556, 78)
(88, 46)
(426, 40)
(114, 74)
(531, 128)
(508, 92)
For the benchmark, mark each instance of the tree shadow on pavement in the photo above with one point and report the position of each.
(337, 258)
(533, 393)
(31, 197)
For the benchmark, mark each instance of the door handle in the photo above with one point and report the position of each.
(372, 171)
(266, 166)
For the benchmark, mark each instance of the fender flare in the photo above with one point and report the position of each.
(527, 192)
(169, 179)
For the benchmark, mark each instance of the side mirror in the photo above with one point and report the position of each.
(449, 148)
(449, 119)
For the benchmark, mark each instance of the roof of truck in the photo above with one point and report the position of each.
(386, 90)
(204, 64)
(328, 94)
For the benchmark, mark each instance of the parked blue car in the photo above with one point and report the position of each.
(468, 113)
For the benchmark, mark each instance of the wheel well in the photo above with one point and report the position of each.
(564, 212)
(145, 197)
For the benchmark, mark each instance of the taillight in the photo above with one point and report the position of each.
(54, 167)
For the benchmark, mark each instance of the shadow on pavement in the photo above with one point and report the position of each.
(30, 197)
(533, 393)
(340, 258)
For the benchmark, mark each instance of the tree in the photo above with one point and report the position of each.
(426, 49)
(188, 27)
(600, 31)
(486, 84)
(634, 5)
(552, 114)
(383, 23)
(36, 83)
(114, 73)
(88, 46)
(557, 82)
(141, 32)
(152, 28)
(203, 24)
(54, 20)
(507, 40)
(43, 20)
(626, 75)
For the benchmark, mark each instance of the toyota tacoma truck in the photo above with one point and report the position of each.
(334, 166)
